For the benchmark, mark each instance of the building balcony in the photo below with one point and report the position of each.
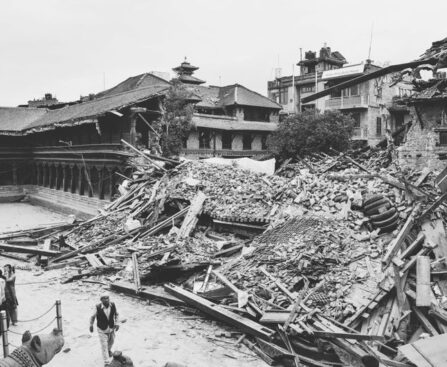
(340, 103)
(360, 133)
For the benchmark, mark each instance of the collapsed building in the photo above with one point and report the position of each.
(71, 155)
(417, 114)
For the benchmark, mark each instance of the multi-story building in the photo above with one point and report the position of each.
(230, 121)
(368, 93)
(326, 83)
(290, 90)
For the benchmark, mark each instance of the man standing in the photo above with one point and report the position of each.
(3, 303)
(106, 317)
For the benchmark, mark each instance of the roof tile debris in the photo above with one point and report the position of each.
(322, 270)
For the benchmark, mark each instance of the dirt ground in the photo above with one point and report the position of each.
(20, 216)
(151, 334)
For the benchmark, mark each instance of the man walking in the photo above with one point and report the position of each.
(106, 317)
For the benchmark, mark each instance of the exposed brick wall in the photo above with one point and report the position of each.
(421, 147)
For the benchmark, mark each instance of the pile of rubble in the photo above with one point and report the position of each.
(350, 262)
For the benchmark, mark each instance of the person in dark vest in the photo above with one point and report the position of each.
(106, 317)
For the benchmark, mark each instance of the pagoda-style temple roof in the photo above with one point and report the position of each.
(185, 67)
(185, 73)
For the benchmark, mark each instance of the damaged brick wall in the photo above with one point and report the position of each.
(422, 146)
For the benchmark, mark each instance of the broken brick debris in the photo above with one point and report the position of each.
(351, 261)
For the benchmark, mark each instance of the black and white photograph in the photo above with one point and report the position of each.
(223, 183)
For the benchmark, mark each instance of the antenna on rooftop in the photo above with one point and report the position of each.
(370, 41)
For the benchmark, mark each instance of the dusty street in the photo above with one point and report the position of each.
(151, 334)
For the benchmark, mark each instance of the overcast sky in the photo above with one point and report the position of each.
(65, 47)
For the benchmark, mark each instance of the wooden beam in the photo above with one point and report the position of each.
(152, 293)
(136, 272)
(281, 286)
(423, 288)
(438, 202)
(399, 240)
(274, 317)
(258, 351)
(426, 324)
(142, 155)
(330, 334)
(191, 217)
(228, 251)
(242, 323)
(410, 249)
(28, 250)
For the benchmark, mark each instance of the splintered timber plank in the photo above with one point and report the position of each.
(399, 240)
(242, 323)
(191, 217)
(146, 293)
(330, 334)
(93, 260)
(429, 352)
(423, 289)
(28, 250)
(425, 322)
(274, 317)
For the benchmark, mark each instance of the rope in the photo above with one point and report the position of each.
(14, 332)
(38, 331)
(34, 332)
(37, 318)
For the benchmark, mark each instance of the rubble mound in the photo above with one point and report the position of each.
(233, 193)
(305, 250)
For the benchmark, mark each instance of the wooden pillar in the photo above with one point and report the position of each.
(37, 174)
(101, 182)
(89, 181)
(44, 175)
(80, 187)
(14, 173)
(57, 178)
(50, 176)
(133, 128)
(72, 179)
(110, 183)
(64, 178)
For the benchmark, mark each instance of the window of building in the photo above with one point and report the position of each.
(308, 107)
(204, 139)
(399, 119)
(311, 69)
(379, 126)
(354, 90)
(283, 96)
(336, 94)
(443, 138)
(308, 89)
(246, 141)
(264, 142)
(256, 114)
(227, 140)
(356, 117)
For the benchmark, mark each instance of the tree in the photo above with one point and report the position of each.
(175, 123)
(311, 132)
